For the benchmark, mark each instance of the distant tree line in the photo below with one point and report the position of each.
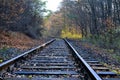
(22, 15)
(96, 19)
(53, 24)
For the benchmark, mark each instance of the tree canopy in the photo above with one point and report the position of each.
(96, 19)
(22, 15)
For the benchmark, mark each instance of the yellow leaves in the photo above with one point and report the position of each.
(1, 60)
(109, 23)
(111, 50)
(30, 76)
(21, 10)
(68, 34)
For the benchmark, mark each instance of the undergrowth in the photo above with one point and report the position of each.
(109, 40)
(72, 34)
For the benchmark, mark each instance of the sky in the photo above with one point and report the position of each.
(52, 4)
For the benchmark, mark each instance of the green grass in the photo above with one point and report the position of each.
(3, 49)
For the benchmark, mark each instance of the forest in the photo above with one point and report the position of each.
(92, 26)
(95, 20)
(25, 16)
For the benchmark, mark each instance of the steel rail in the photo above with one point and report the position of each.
(11, 61)
(93, 74)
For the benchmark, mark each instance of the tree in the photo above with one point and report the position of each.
(97, 19)
(22, 15)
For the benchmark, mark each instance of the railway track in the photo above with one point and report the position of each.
(57, 61)
(102, 71)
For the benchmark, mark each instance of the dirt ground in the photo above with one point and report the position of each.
(15, 43)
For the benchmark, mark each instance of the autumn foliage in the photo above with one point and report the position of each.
(98, 20)
(22, 15)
